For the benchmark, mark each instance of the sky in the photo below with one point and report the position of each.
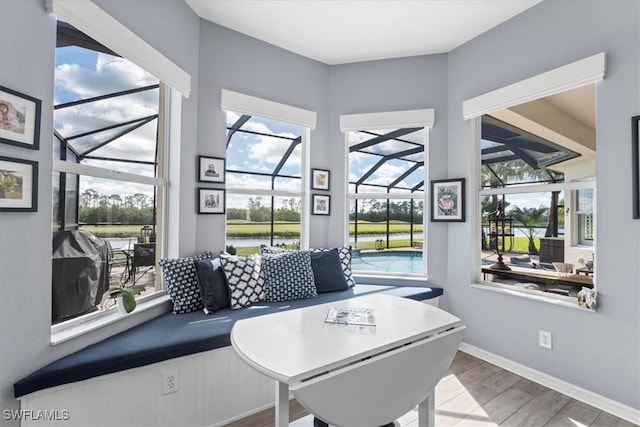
(81, 73)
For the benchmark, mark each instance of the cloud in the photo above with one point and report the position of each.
(111, 74)
(262, 153)
(243, 181)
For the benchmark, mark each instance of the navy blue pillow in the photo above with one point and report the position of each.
(212, 284)
(328, 272)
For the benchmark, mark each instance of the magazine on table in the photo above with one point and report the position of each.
(351, 316)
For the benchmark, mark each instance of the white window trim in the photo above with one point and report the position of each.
(388, 120)
(95, 22)
(98, 172)
(579, 73)
(424, 118)
(247, 104)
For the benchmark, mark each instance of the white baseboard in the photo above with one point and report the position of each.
(603, 403)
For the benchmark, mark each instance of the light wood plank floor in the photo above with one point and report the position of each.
(477, 393)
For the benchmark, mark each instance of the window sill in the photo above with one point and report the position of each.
(94, 321)
(557, 300)
(380, 278)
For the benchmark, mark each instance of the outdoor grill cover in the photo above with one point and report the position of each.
(80, 272)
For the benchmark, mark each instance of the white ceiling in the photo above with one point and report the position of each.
(345, 31)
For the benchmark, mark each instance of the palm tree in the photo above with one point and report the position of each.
(530, 218)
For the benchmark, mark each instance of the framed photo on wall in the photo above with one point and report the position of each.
(19, 119)
(320, 204)
(320, 179)
(18, 185)
(211, 169)
(211, 201)
(635, 154)
(447, 200)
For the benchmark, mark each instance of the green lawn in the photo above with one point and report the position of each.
(113, 230)
(242, 228)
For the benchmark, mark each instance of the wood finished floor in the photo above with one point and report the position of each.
(477, 393)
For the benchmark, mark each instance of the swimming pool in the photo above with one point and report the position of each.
(393, 262)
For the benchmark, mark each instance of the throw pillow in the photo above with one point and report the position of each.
(327, 271)
(181, 282)
(345, 261)
(244, 279)
(344, 253)
(212, 284)
(288, 276)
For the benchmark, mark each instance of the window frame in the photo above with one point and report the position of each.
(422, 118)
(240, 103)
(98, 24)
(579, 73)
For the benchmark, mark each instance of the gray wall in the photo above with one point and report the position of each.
(598, 351)
(605, 344)
(392, 85)
(27, 51)
(232, 61)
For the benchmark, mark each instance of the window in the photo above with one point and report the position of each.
(386, 193)
(584, 217)
(264, 173)
(108, 178)
(537, 196)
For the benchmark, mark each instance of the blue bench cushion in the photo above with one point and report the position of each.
(169, 336)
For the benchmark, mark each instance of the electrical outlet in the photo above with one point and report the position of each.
(170, 382)
(544, 339)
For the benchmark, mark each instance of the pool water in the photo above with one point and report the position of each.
(394, 262)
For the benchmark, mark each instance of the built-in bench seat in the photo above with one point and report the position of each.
(170, 336)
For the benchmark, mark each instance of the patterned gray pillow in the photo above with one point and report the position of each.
(288, 276)
(181, 281)
(244, 278)
(344, 253)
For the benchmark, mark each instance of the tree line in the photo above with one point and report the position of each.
(95, 208)
(289, 211)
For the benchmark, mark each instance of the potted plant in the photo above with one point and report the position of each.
(121, 296)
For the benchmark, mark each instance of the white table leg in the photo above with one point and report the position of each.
(427, 411)
(282, 404)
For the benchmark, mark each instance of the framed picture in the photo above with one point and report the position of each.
(211, 201)
(447, 200)
(19, 119)
(320, 204)
(319, 179)
(18, 185)
(211, 169)
(635, 154)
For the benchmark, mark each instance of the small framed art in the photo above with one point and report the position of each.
(447, 200)
(319, 179)
(320, 204)
(211, 201)
(19, 119)
(18, 185)
(635, 154)
(211, 169)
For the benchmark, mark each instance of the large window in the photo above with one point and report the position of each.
(538, 192)
(108, 176)
(386, 195)
(264, 174)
